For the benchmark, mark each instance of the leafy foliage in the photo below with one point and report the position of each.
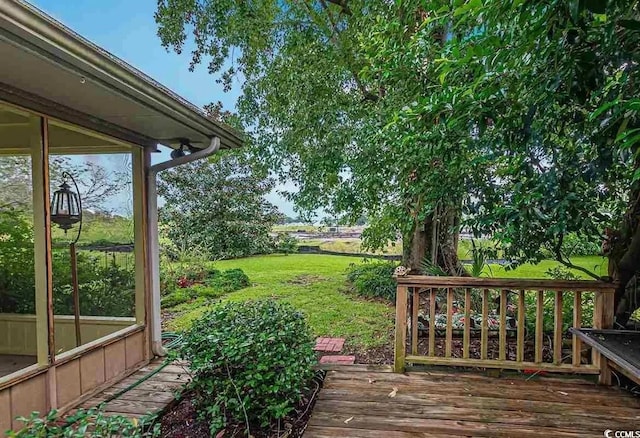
(81, 424)
(194, 281)
(373, 280)
(96, 183)
(229, 387)
(218, 207)
(519, 120)
(106, 289)
(286, 244)
(17, 275)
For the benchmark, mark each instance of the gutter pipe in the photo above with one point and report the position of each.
(154, 245)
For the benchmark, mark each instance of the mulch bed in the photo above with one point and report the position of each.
(181, 421)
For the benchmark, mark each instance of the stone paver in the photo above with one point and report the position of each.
(331, 345)
(341, 360)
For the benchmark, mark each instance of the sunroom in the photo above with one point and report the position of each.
(78, 130)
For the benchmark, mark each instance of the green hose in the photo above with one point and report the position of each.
(172, 341)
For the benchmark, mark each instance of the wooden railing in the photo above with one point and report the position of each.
(486, 300)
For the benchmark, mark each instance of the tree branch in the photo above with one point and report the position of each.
(343, 4)
(566, 262)
(335, 34)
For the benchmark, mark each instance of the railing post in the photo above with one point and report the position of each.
(401, 329)
(603, 314)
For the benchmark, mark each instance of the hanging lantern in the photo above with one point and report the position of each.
(66, 206)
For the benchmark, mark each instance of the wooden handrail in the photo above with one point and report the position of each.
(411, 288)
(506, 283)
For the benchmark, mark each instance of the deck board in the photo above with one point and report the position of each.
(358, 404)
(150, 397)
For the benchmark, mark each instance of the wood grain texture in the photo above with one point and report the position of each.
(401, 329)
(484, 337)
(502, 342)
(521, 327)
(358, 404)
(506, 283)
(557, 328)
(576, 343)
(467, 324)
(539, 325)
(152, 396)
(449, 329)
(432, 322)
(415, 307)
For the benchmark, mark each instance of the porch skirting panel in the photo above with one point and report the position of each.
(75, 376)
(18, 332)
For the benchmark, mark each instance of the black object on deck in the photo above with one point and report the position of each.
(622, 347)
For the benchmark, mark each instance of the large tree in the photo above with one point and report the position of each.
(518, 117)
(97, 183)
(317, 99)
(217, 207)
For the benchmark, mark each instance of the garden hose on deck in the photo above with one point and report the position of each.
(173, 340)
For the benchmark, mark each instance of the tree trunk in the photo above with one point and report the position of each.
(627, 296)
(624, 262)
(434, 240)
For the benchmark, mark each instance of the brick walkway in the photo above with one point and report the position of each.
(333, 345)
(329, 345)
(338, 360)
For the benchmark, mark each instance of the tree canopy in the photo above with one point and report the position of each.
(517, 119)
(216, 206)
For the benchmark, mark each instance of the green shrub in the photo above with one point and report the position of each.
(176, 297)
(106, 288)
(229, 281)
(373, 280)
(200, 290)
(286, 244)
(207, 283)
(580, 245)
(84, 423)
(248, 358)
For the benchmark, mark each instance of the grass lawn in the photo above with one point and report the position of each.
(596, 264)
(314, 284)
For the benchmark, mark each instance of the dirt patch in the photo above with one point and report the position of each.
(306, 280)
(374, 356)
(182, 421)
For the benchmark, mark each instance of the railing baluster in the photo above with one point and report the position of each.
(539, 325)
(432, 322)
(557, 328)
(449, 332)
(509, 353)
(415, 306)
(576, 343)
(467, 323)
(521, 327)
(502, 355)
(484, 336)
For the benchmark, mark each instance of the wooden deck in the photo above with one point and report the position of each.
(149, 397)
(360, 403)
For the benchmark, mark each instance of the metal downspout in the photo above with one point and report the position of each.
(154, 246)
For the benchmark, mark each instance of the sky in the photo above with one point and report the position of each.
(127, 29)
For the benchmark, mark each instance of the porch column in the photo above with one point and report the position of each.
(39, 145)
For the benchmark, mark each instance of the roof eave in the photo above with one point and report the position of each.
(121, 76)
